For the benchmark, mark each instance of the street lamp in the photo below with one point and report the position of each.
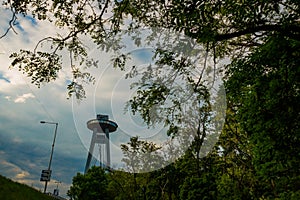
(47, 173)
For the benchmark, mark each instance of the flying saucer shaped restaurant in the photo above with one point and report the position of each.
(103, 123)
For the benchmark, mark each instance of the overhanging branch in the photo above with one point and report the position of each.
(291, 31)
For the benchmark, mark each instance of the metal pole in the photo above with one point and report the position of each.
(52, 149)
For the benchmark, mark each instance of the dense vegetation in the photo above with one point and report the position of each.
(258, 153)
(15, 191)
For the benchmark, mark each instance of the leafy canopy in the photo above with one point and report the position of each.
(225, 27)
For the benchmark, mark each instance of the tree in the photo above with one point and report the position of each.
(265, 85)
(223, 27)
(234, 163)
(92, 185)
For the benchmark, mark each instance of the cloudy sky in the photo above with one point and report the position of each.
(25, 143)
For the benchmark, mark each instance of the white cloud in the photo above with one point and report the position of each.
(8, 98)
(22, 175)
(16, 173)
(14, 170)
(2, 49)
(23, 98)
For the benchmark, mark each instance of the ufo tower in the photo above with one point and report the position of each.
(101, 127)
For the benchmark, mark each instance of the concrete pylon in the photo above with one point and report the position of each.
(101, 127)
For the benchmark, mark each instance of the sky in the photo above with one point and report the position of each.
(25, 143)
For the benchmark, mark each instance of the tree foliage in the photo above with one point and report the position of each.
(266, 85)
(226, 27)
(92, 185)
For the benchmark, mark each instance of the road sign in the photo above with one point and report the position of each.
(45, 176)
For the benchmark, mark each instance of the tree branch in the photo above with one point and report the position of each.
(286, 30)
(11, 24)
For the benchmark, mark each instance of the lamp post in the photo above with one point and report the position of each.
(51, 155)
